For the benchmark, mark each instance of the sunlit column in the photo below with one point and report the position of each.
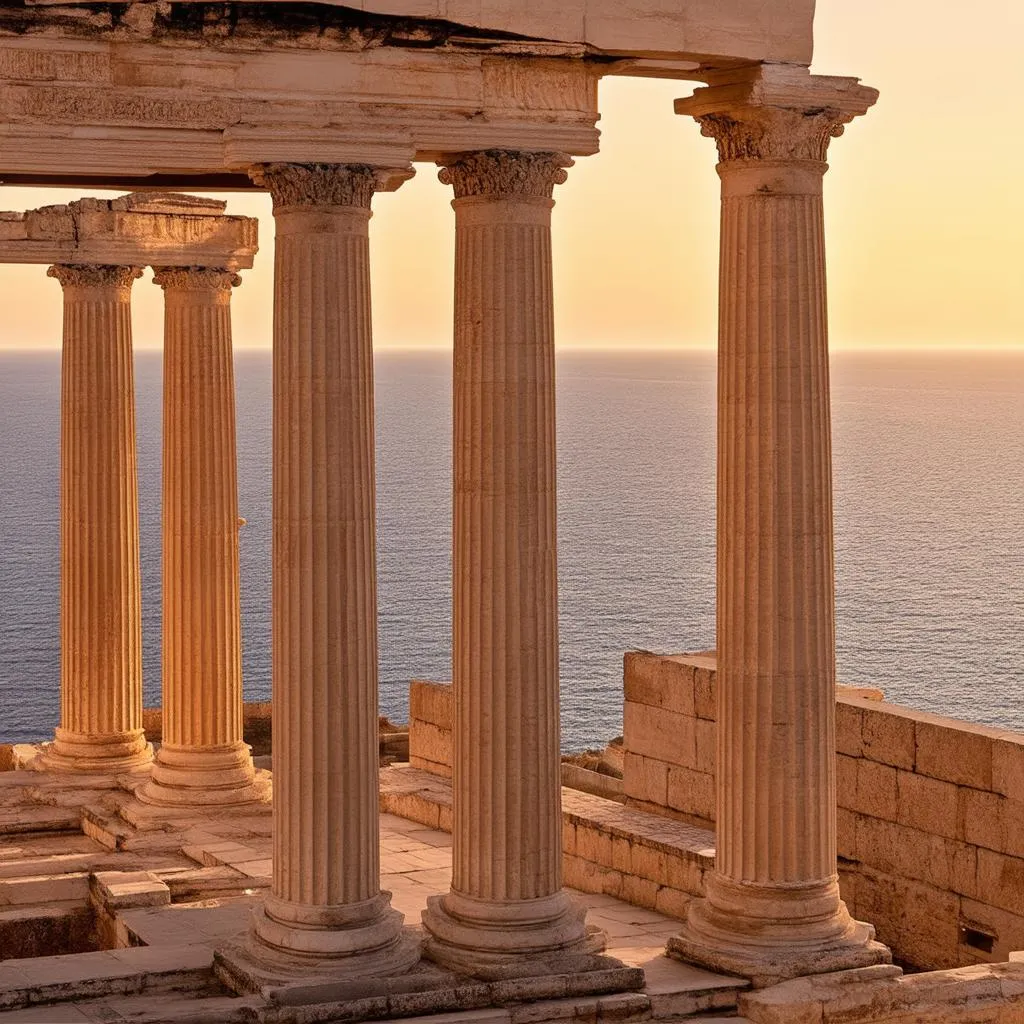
(326, 899)
(202, 758)
(506, 904)
(101, 622)
(773, 908)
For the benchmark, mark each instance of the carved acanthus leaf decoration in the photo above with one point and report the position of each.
(500, 172)
(318, 184)
(196, 278)
(774, 133)
(94, 275)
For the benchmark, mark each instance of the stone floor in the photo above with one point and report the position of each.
(164, 894)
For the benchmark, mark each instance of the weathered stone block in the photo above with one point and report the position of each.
(1008, 765)
(645, 779)
(982, 819)
(431, 702)
(959, 752)
(641, 892)
(926, 804)
(876, 789)
(660, 681)
(660, 734)
(691, 792)
(118, 890)
(430, 747)
(594, 844)
(685, 874)
(1006, 928)
(887, 735)
(848, 729)
(705, 687)
(929, 929)
(648, 862)
(904, 852)
(706, 759)
(671, 902)
(622, 854)
(846, 834)
(1001, 880)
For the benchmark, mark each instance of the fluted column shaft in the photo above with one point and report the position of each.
(101, 622)
(506, 843)
(775, 883)
(506, 896)
(326, 898)
(776, 606)
(203, 758)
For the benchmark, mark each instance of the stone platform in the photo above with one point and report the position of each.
(140, 911)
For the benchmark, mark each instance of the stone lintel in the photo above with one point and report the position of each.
(781, 86)
(120, 113)
(139, 229)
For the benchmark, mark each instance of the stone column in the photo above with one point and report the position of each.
(326, 901)
(772, 907)
(101, 622)
(202, 759)
(506, 905)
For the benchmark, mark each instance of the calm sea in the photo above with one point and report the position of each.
(929, 464)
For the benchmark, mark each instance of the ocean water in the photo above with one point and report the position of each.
(929, 464)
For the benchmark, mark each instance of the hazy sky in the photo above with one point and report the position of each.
(924, 206)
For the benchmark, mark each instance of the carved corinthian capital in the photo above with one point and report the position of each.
(94, 275)
(500, 172)
(769, 133)
(776, 113)
(196, 278)
(318, 184)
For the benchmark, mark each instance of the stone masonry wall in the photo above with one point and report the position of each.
(430, 727)
(930, 809)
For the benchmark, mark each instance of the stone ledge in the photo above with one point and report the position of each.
(645, 859)
(429, 989)
(990, 994)
(55, 979)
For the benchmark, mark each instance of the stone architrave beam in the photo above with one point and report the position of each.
(139, 229)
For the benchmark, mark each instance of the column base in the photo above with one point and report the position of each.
(97, 755)
(493, 940)
(770, 934)
(362, 940)
(205, 777)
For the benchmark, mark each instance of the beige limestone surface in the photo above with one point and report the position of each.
(506, 905)
(100, 584)
(202, 758)
(138, 229)
(930, 820)
(326, 900)
(168, 897)
(772, 907)
(778, 31)
(163, 103)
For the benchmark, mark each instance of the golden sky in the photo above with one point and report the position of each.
(924, 209)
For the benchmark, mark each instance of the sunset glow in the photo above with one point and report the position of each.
(924, 211)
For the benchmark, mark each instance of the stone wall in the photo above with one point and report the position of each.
(430, 727)
(930, 809)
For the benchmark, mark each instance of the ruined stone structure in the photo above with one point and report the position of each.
(323, 105)
(96, 250)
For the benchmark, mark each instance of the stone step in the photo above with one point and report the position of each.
(645, 859)
(40, 819)
(117, 972)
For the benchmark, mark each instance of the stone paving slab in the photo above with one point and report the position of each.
(206, 874)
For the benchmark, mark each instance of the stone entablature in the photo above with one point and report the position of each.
(183, 104)
(139, 229)
(930, 809)
(654, 28)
